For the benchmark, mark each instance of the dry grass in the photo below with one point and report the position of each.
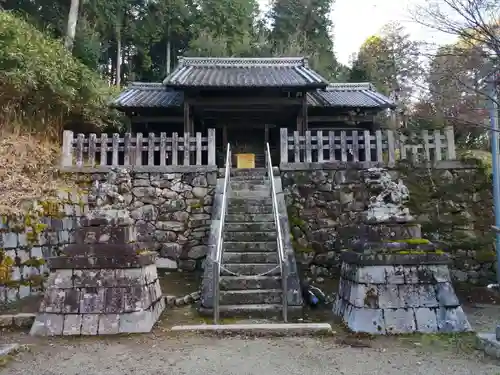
(28, 170)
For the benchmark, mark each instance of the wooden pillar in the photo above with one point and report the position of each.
(305, 119)
(187, 119)
(299, 120)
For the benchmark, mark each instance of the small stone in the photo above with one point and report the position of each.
(170, 300)
(179, 302)
(188, 299)
(196, 296)
(197, 252)
(199, 192)
(171, 250)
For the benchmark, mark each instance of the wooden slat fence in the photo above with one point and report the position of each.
(138, 149)
(386, 146)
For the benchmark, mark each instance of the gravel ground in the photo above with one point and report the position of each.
(164, 353)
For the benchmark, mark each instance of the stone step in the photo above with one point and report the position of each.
(244, 246)
(238, 218)
(251, 297)
(252, 209)
(249, 282)
(253, 257)
(250, 194)
(249, 236)
(249, 172)
(247, 269)
(274, 311)
(245, 202)
(265, 226)
(252, 185)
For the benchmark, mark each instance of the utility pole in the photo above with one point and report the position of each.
(495, 164)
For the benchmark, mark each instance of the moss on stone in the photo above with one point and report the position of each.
(483, 256)
(34, 262)
(6, 264)
(301, 249)
(196, 205)
(415, 241)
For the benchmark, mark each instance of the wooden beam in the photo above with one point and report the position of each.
(156, 119)
(186, 117)
(343, 118)
(228, 101)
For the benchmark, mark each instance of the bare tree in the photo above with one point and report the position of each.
(476, 24)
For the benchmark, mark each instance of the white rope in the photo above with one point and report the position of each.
(258, 275)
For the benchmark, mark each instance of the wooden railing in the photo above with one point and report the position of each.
(385, 146)
(128, 149)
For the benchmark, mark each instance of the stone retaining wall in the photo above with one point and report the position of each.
(452, 202)
(172, 213)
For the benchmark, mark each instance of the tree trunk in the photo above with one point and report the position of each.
(72, 20)
(118, 55)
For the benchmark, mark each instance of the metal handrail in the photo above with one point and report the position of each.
(220, 239)
(281, 252)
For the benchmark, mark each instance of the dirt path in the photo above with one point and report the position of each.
(164, 353)
(193, 355)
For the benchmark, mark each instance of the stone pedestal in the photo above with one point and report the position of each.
(398, 293)
(102, 285)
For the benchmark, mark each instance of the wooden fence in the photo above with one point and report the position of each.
(128, 149)
(386, 146)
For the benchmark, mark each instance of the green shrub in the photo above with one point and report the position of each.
(42, 84)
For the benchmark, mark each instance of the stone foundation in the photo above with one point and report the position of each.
(397, 294)
(101, 301)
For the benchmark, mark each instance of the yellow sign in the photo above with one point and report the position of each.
(245, 160)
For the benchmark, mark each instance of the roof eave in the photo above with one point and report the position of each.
(309, 86)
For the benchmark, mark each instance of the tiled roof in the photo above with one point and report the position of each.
(362, 95)
(142, 94)
(230, 72)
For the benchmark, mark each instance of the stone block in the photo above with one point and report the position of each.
(9, 240)
(426, 320)
(150, 273)
(389, 297)
(109, 324)
(71, 301)
(451, 320)
(489, 344)
(441, 273)
(137, 322)
(72, 324)
(130, 277)
(6, 320)
(88, 278)
(418, 295)
(411, 275)
(372, 274)
(114, 300)
(23, 320)
(363, 295)
(90, 324)
(365, 320)
(48, 325)
(60, 279)
(395, 275)
(446, 295)
(92, 301)
(136, 298)
(399, 321)
(53, 301)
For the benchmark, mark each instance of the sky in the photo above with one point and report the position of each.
(356, 20)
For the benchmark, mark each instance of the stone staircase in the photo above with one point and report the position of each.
(250, 280)
(250, 277)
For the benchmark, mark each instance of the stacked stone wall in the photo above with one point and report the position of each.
(172, 214)
(453, 204)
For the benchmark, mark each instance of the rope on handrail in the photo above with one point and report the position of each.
(239, 274)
